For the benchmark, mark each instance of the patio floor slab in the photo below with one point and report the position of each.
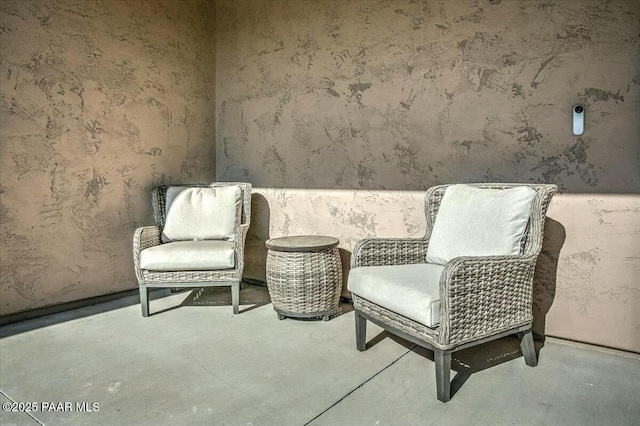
(194, 362)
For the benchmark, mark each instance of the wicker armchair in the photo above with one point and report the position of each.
(148, 237)
(481, 298)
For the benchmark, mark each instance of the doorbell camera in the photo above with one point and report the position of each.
(578, 120)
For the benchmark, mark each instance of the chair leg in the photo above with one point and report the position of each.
(528, 348)
(443, 374)
(144, 300)
(361, 331)
(235, 297)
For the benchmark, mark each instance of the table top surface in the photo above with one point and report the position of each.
(302, 243)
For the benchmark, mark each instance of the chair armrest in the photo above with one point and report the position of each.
(483, 295)
(389, 251)
(144, 237)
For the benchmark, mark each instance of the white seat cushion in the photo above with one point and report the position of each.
(203, 214)
(189, 256)
(409, 290)
(475, 221)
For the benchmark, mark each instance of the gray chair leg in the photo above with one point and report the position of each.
(144, 300)
(361, 331)
(235, 297)
(528, 348)
(443, 374)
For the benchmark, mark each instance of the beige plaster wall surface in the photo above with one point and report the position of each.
(349, 215)
(586, 284)
(597, 292)
(402, 95)
(99, 100)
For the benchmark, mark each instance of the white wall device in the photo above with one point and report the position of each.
(578, 120)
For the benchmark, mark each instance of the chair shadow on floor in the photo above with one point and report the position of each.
(481, 357)
(251, 297)
(467, 361)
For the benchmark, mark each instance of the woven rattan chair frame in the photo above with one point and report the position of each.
(481, 298)
(149, 236)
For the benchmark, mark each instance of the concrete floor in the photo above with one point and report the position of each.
(193, 362)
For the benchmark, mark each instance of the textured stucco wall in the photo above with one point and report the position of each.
(404, 94)
(99, 100)
(349, 97)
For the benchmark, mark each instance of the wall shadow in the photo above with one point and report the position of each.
(545, 276)
(345, 258)
(255, 251)
(58, 314)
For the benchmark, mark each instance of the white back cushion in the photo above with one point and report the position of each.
(172, 191)
(474, 221)
(203, 214)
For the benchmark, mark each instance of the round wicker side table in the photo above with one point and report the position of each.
(304, 276)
